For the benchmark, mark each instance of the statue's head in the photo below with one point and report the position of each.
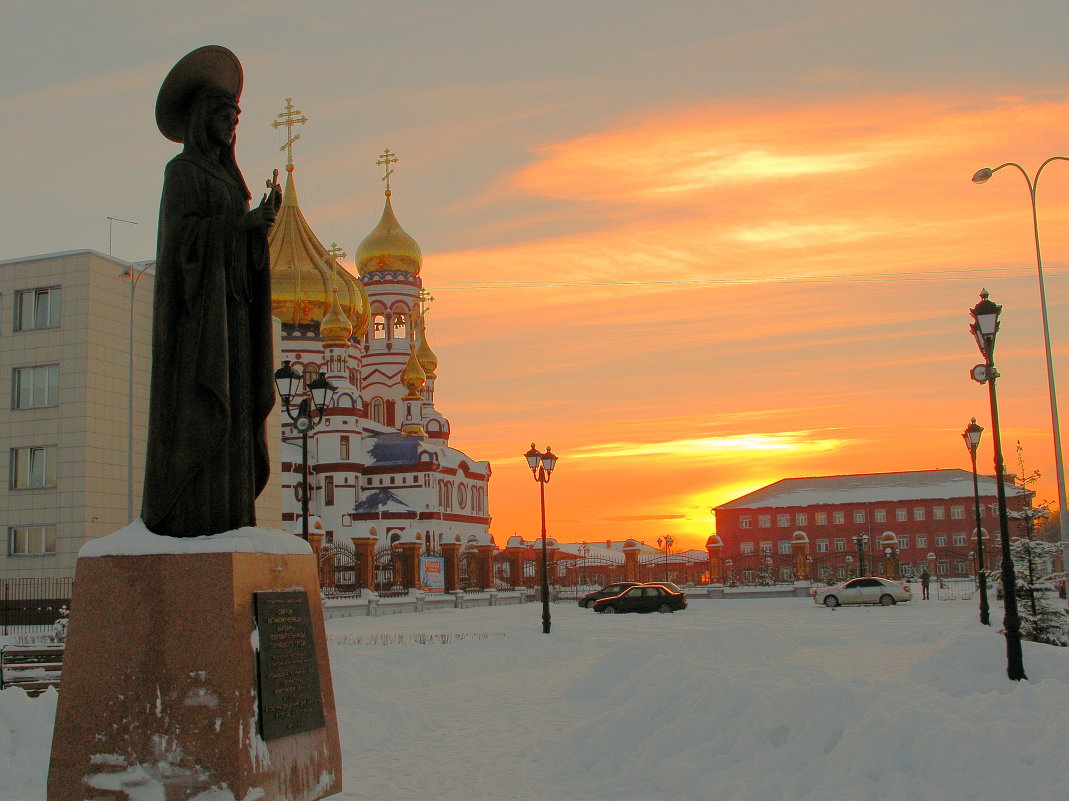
(212, 119)
(199, 85)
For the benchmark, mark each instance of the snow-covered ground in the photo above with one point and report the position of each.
(737, 700)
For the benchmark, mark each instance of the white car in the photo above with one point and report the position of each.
(865, 590)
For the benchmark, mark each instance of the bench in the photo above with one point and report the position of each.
(34, 668)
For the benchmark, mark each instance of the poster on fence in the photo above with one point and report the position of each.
(432, 573)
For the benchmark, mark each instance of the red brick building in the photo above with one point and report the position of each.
(923, 513)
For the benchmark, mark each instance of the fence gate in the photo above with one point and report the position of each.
(338, 571)
(387, 575)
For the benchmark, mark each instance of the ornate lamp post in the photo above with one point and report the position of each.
(542, 465)
(971, 435)
(861, 543)
(984, 328)
(668, 541)
(288, 383)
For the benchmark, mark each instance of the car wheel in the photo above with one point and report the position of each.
(886, 600)
(831, 601)
(663, 608)
(587, 604)
(608, 609)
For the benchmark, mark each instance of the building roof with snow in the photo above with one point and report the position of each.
(870, 488)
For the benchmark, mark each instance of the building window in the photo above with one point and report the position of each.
(901, 515)
(838, 517)
(800, 519)
(821, 518)
(918, 513)
(35, 387)
(745, 522)
(961, 568)
(37, 308)
(328, 490)
(903, 542)
(33, 468)
(938, 513)
(378, 412)
(344, 449)
(880, 515)
(747, 548)
(764, 521)
(378, 327)
(859, 515)
(922, 541)
(766, 547)
(784, 547)
(940, 540)
(942, 568)
(31, 540)
(959, 540)
(957, 512)
(840, 545)
(822, 546)
(783, 520)
(399, 329)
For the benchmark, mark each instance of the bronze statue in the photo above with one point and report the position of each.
(212, 358)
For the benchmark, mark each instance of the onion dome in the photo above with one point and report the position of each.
(427, 360)
(388, 247)
(334, 328)
(413, 378)
(302, 272)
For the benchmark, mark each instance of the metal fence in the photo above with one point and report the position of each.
(32, 604)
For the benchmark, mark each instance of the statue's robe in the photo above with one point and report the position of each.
(212, 358)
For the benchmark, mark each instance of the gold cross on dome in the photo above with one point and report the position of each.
(334, 253)
(289, 118)
(385, 160)
(425, 300)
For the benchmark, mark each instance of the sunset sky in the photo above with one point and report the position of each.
(694, 247)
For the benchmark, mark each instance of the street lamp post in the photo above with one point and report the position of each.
(542, 465)
(861, 543)
(980, 177)
(308, 415)
(971, 435)
(668, 541)
(984, 328)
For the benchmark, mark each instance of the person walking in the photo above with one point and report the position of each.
(926, 578)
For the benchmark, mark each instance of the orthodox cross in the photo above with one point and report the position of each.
(333, 254)
(289, 118)
(385, 160)
(425, 300)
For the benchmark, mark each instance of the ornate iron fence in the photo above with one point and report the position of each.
(32, 604)
(339, 573)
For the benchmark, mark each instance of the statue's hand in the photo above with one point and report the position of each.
(263, 216)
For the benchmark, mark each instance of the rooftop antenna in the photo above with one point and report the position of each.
(115, 220)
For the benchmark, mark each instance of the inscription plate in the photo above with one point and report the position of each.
(287, 672)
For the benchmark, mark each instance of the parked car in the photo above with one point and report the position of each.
(865, 590)
(587, 601)
(669, 585)
(642, 598)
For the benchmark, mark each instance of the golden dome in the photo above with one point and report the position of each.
(335, 329)
(301, 280)
(427, 360)
(413, 378)
(388, 247)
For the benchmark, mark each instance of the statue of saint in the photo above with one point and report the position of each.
(212, 358)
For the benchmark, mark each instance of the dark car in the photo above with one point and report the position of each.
(642, 598)
(607, 591)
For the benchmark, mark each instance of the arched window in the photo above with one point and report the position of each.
(400, 325)
(378, 326)
(378, 411)
(311, 373)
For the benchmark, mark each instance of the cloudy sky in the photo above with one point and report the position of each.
(695, 247)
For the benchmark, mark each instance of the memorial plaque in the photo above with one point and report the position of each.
(290, 700)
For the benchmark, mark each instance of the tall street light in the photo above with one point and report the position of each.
(542, 465)
(984, 328)
(971, 435)
(981, 176)
(668, 542)
(288, 382)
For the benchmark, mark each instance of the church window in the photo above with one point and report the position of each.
(378, 327)
(400, 326)
(378, 411)
(328, 490)
(311, 373)
(37, 308)
(344, 449)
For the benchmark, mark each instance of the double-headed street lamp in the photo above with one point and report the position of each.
(984, 328)
(542, 465)
(308, 415)
(668, 542)
(971, 435)
(861, 543)
(980, 177)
